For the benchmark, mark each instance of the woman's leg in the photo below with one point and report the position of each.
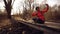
(35, 20)
(40, 21)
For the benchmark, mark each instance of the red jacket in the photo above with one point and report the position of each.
(39, 13)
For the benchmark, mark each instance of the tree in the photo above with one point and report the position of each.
(8, 7)
(27, 12)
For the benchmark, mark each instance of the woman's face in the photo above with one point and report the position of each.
(37, 8)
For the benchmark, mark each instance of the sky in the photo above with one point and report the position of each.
(18, 4)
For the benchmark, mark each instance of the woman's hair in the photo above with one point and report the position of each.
(37, 8)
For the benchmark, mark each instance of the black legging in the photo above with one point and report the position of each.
(37, 20)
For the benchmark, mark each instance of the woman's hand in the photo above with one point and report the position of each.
(47, 5)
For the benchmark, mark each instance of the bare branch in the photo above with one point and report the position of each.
(13, 3)
(9, 2)
(5, 2)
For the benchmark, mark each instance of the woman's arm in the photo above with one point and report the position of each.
(46, 9)
(34, 13)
